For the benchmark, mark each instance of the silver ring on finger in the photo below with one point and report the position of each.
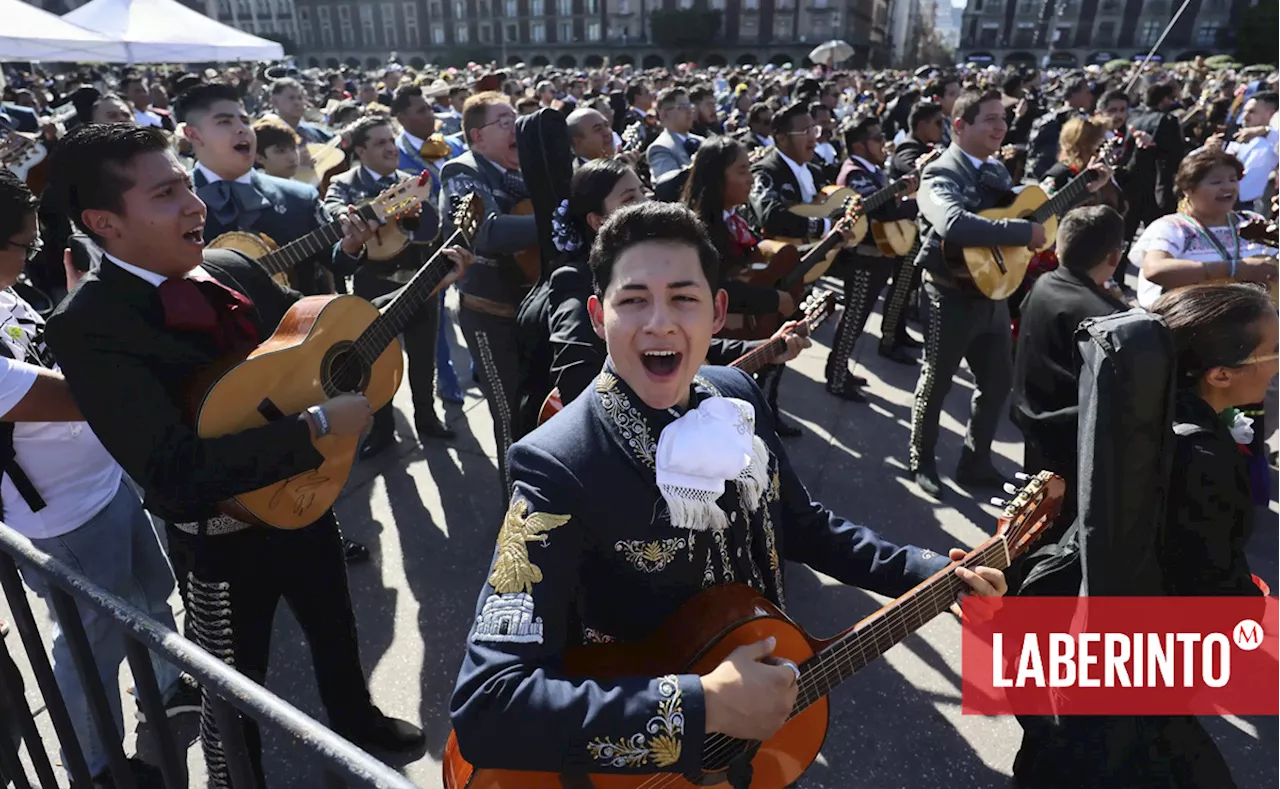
(790, 665)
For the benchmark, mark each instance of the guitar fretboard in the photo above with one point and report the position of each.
(312, 244)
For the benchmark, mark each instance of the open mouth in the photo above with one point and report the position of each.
(661, 363)
(195, 236)
(243, 147)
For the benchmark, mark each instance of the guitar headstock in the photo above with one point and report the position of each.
(468, 213)
(820, 305)
(632, 137)
(401, 198)
(933, 153)
(1031, 511)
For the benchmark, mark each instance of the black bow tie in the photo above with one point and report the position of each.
(995, 177)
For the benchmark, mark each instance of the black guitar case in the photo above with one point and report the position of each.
(1126, 448)
(546, 161)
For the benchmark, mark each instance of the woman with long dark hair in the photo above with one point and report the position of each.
(576, 352)
(719, 184)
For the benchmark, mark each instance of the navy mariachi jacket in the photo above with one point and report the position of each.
(587, 554)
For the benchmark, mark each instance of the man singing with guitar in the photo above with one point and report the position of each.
(960, 324)
(374, 144)
(131, 339)
(665, 478)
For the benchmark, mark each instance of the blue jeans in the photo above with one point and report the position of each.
(118, 550)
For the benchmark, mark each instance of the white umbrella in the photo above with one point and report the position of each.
(831, 52)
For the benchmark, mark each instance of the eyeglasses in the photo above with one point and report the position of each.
(809, 131)
(506, 123)
(1266, 357)
(32, 249)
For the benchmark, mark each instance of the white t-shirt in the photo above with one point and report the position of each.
(65, 461)
(1181, 238)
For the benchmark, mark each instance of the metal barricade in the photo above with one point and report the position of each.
(230, 693)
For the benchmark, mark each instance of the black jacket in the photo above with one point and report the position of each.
(130, 373)
(774, 190)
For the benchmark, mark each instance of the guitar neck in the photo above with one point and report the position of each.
(393, 320)
(310, 245)
(881, 197)
(754, 361)
(812, 258)
(873, 636)
(1065, 198)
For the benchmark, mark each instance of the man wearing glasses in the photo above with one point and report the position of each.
(672, 152)
(492, 288)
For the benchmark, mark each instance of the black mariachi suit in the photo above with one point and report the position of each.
(906, 283)
(127, 371)
(351, 188)
(870, 272)
(575, 567)
(774, 190)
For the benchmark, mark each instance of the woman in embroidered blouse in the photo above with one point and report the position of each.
(1226, 341)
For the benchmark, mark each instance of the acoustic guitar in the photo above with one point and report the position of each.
(718, 620)
(1261, 231)
(893, 237)
(25, 156)
(320, 161)
(325, 346)
(817, 308)
(996, 272)
(279, 260)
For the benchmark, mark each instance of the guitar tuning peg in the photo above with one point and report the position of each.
(1010, 488)
(1001, 503)
(1021, 477)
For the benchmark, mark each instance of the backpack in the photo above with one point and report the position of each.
(9, 459)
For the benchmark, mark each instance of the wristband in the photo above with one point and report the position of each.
(321, 420)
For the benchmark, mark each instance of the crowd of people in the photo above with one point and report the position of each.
(616, 277)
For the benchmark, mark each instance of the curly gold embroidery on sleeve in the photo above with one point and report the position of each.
(650, 556)
(658, 744)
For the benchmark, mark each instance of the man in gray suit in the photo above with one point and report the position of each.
(960, 322)
(671, 154)
(492, 288)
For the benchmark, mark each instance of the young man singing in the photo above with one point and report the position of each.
(129, 339)
(663, 479)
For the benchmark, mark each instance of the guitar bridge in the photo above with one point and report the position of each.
(998, 256)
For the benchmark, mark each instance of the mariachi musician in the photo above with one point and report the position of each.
(374, 145)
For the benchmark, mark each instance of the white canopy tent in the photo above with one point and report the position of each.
(31, 33)
(166, 31)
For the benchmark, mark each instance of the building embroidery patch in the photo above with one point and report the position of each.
(507, 615)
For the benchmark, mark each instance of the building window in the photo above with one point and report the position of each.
(564, 7)
(786, 5)
(747, 26)
(243, 8)
(624, 6)
(411, 32)
(483, 5)
(248, 26)
(593, 31)
(513, 33)
(286, 7)
(267, 26)
(389, 26)
(819, 3)
(1209, 33)
(782, 27)
(345, 29)
(512, 11)
(536, 8)
(537, 32)
(717, 5)
(304, 26)
(1106, 35)
(1062, 36)
(1025, 35)
(1150, 32)
(486, 34)
(592, 6)
(819, 28)
(366, 26)
(437, 34)
(433, 10)
(326, 29)
(224, 8)
(566, 32)
(751, 5)
(459, 9)
(461, 34)
(686, 3)
(988, 36)
(264, 8)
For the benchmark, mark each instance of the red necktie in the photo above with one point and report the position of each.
(207, 306)
(740, 233)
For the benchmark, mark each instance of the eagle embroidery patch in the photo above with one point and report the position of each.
(507, 616)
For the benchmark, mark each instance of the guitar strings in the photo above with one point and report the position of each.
(718, 745)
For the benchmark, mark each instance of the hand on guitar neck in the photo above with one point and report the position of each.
(355, 233)
(751, 694)
(795, 335)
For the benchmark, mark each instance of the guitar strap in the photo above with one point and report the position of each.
(8, 454)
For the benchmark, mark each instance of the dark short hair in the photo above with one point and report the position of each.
(670, 96)
(971, 101)
(1267, 97)
(782, 119)
(401, 98)
(1012, 83)
(756, 110)
(1115, 95)
(1086, 235)
(859, 130)
(591, 185)
(1213, 325)
(274, 133)
(200, 98)
(16, 203)
(359, 131)
(87, 171)
(635, 89)
(1158, 93)
(670, 223)
(938, 85)
(125, 82)
(816, 106)
(922, 111)
(701, 92)
(284, 83)
(1196, 167)
(476, 109)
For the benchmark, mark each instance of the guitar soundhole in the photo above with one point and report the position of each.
(344, 371)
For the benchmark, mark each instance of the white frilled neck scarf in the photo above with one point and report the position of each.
(702, 450)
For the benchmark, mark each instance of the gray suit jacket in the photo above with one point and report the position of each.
(950, 193)
(667, 155)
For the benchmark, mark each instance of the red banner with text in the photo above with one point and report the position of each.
(1122, 656)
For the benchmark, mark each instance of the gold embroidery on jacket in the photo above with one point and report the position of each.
(659, 744)
(650, 556)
